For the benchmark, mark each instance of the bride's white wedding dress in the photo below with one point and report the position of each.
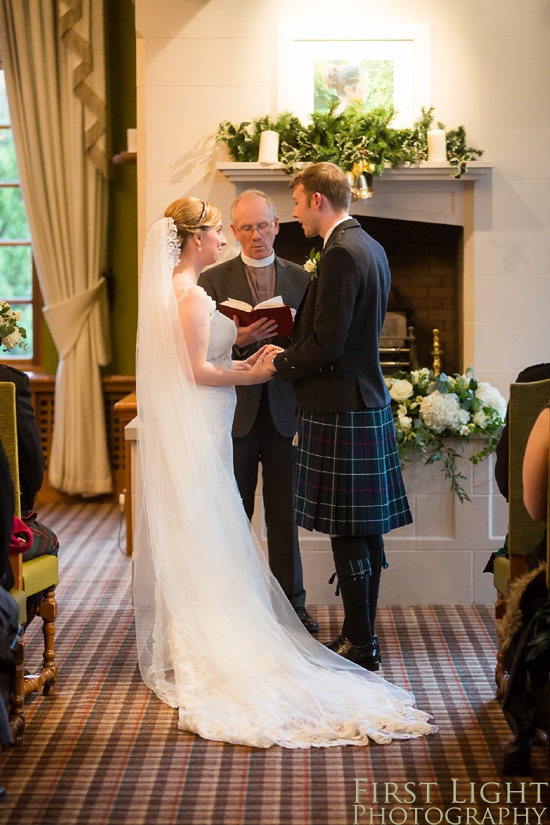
(217, 638)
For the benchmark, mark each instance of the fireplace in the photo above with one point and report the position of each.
(426, 265)
(426, 221)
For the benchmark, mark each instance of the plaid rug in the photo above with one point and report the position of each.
(104, 750)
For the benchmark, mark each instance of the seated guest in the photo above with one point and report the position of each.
(31, 463)
(525, 634)
(9, 612)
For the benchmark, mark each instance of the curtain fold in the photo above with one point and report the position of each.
(53, 57)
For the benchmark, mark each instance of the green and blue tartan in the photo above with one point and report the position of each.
(349, 474)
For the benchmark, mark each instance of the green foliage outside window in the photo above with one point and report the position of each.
(16, 282)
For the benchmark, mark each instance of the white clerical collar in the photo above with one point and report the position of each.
(254, 262)
(332, 228)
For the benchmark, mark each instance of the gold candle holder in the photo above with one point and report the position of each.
(437, 352)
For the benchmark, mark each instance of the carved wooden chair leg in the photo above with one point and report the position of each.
(48, 612)
(48, 674)
(17, 708)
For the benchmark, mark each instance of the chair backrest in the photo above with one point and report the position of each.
(526, 402)
(548, 518)
(8, 436)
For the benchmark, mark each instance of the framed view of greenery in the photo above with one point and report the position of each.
(375, 68)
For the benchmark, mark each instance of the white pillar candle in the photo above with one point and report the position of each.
(131, 137)
(437, 147)
(269, 147)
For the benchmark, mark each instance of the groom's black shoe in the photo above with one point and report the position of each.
(309, 623)
(368, 656)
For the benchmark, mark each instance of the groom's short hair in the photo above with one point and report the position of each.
(327, 179)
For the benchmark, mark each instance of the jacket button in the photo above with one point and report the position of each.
(293, 368)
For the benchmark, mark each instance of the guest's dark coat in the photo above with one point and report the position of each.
(31, 456)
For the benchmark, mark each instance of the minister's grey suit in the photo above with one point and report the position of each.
(264, 426)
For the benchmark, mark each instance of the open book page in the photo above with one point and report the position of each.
(277, 301)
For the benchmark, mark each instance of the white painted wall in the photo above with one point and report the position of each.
(204, 61)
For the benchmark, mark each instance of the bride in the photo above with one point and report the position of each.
(217, 638)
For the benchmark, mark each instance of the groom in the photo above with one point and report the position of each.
(349, 477)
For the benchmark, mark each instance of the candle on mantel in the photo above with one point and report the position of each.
(437, 145)
(131, 138)
(269, 147)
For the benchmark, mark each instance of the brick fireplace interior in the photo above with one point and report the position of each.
(426, 263)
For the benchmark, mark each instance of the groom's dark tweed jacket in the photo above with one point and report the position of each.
(333, 360)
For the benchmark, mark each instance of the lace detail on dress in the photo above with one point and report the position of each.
(173, 244)
(185, 292)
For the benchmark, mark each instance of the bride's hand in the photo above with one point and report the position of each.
(261, 371)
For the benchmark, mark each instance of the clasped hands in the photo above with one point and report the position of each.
(262, 360)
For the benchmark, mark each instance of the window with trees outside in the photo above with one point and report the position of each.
(18, 281)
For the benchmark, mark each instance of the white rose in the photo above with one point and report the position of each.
(480, 419)
(18, 315)
(388, 381)
(405, 423)
(12, 339)
(309, 266)
(464, 430)
(401, 389)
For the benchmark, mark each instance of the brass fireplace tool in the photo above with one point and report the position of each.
(437, 352)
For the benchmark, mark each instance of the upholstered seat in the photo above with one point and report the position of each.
(33, 577)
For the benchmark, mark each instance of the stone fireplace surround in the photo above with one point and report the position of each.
(425, 220)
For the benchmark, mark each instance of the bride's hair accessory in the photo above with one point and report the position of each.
(173, 242)
(203, 213)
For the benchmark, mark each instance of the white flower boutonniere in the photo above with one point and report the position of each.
(311, 264)
(11, 334)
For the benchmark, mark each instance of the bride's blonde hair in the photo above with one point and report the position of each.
(191, 216)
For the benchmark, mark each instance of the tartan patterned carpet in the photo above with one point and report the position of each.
(104, 750)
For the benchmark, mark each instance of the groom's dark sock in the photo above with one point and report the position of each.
(352, 568)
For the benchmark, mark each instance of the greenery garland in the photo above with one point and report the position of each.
(357, 141)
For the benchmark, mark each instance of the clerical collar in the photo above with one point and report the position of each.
(254, 262)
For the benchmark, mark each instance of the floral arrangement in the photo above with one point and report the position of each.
(11, 334)
(429, 409)
(356, 140)
(311, 263)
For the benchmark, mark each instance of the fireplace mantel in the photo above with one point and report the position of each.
(428, 171)
(427, 192)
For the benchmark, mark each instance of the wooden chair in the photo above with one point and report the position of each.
(524, 534)
(32, 577)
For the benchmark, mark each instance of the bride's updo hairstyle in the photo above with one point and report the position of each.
(192, 216)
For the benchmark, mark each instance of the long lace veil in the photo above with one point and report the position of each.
(216, 636)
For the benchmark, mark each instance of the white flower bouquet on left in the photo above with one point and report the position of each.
(11, 334)
(430, 410)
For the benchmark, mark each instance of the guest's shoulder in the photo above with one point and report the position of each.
(13, 375)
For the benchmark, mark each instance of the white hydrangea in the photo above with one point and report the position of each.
(491, 397)
(441, 411)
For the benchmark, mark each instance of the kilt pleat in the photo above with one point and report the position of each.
(349, 474)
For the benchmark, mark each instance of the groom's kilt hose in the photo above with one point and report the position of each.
(349, 476)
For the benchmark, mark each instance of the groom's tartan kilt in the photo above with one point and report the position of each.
(349, 476)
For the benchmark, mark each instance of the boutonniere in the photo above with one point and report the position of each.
(311, 263)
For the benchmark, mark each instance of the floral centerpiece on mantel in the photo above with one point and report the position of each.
(429, 411)
(359, 142)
